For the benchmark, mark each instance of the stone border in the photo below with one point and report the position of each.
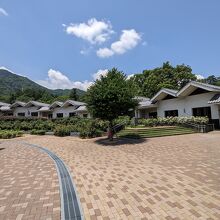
(70, 204)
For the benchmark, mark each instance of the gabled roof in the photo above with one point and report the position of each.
(4, 104)
(5, 108)
(163, 93)
(73, 103)
(81, 108)
(215, 99)
(44, 109)
(56, 104)
(37, 104)
(17, 104)
(193, 85)
(146, 104)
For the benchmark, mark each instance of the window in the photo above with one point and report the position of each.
(72, 114)
(152, 114)
(171, 113)
(59, 115)
(34, 114)
(204, 111)
(21, 114)
(85, 115)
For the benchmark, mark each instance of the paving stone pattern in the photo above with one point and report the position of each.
(161, 178)
(28, 184)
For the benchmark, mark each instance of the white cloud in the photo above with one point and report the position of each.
(3, 12)
(58, 80)
(129, 39)
(93, 31)
(104, 52)
(200, 77)
(99, 74)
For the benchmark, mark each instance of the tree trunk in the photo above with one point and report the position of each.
(110, 132)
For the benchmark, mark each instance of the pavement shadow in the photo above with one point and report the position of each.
(119, 141)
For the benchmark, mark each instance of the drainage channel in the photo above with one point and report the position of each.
(70, 205)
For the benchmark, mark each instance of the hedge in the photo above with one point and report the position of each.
(172, 121)
(7, 134)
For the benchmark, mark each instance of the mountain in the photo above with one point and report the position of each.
(11, 83)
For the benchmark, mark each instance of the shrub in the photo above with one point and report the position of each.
(62, 130)
(122, 120)
(173, 121)
(89, 129)
(6, 134)
(61, 127)
(38, 132)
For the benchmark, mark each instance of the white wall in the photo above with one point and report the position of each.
(66, 111)
(25, 110)
(184, 105)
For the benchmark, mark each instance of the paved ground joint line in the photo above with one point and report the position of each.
(70, 203)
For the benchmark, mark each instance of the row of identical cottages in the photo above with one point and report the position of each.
(34, 109)
(195, 99)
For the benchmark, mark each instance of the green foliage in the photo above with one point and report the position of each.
(89, 129)
(7, 134)
(111, 96)
(26, 124)
(73, 94)
(151, 81)
(62, 130)
(38, 132)
(151, 122)
(122, 120)
(213, 80)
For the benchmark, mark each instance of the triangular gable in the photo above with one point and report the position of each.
(163, 93)
(192, 86)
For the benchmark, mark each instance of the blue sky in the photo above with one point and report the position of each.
(62, 44)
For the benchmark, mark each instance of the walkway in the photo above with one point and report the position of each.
(161, 178)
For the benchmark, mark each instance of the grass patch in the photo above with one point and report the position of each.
(154, 132)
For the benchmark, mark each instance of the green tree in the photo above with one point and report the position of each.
(151, 81)
(110, 97)
(74, 95)
(12, 98)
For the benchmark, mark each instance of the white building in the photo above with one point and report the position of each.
(69, 108)
(5, 109)
(194, 99)
(30, 109)
(33, 109)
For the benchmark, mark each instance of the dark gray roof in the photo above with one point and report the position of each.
(39, 104)
(215, 99)
(18, 103)
(73, 102)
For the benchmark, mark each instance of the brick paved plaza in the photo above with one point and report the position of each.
(161, 178)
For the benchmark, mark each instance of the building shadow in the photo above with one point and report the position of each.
(120, 141)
